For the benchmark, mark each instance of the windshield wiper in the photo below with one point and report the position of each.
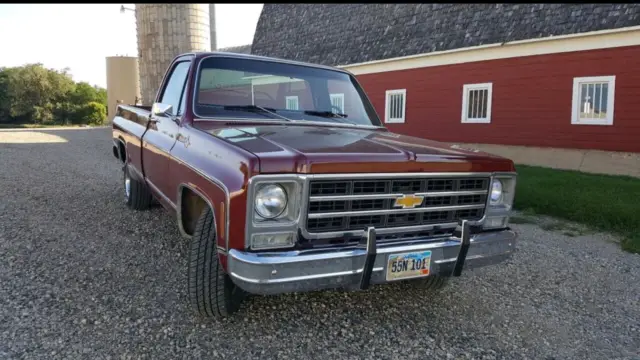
(256, 108)
(325, 113)
(341, 118)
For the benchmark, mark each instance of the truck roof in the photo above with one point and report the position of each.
(204, 54)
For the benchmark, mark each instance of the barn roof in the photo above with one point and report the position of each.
(339, 34)
(241, 49)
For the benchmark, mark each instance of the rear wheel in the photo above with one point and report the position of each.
(137, 195)
(211, 291)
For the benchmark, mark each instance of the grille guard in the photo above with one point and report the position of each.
(368, 243)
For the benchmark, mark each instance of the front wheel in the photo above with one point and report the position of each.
(211, 291)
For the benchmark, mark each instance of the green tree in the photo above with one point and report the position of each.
(85, 93)
(61, 109)
(35, 94)
(30, 89)
(35, 91)
(5, 95)
(101, 95)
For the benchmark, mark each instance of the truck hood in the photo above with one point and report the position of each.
(327, 149)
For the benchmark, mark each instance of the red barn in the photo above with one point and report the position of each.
(547, 75)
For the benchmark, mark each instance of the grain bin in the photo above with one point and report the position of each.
(123, 83)
(165, 31)
(212, 25)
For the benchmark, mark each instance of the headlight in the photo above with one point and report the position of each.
(271, 201)
(496, 192)
(273, 211)
(501, 197)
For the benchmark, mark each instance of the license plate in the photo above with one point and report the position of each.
(408, 265)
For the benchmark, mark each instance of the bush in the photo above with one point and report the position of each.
(92, 113)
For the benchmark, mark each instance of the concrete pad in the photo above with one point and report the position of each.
(591, 161)
(611, 163)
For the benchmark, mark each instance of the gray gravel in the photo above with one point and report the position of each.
(83, 277)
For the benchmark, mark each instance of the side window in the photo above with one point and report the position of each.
(174, 90)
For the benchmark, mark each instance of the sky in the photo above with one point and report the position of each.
(81, 36)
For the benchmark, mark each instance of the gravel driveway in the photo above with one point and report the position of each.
(83, 277)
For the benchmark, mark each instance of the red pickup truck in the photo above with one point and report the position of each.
(283, 178)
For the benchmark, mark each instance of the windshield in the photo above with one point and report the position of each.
(266, 90)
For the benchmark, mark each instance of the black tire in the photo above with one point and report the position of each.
(211, 291)
(138, 197)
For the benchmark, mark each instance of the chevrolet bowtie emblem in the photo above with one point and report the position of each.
(408, 201)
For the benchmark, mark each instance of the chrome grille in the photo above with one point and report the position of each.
(355, 204)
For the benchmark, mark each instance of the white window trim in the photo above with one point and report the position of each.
(286, 102)
(465, 103)
(575, 102)
(338, 95)
(387, 108)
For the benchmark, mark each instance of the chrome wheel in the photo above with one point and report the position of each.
(127, 187)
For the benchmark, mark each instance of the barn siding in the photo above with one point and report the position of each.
(531, 102)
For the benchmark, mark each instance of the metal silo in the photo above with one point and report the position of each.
(165, 31)
(123, 85)
(212, 24)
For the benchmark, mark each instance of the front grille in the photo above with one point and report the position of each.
(348, 205)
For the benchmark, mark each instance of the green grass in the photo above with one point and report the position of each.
(602, 202)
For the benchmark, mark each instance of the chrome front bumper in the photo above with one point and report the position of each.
(356, 268)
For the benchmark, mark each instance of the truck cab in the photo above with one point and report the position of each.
(283, 178)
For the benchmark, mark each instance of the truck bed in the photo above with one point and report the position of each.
(141, 107)
(136, 113)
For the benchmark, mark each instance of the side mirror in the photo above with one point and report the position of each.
(159, 109)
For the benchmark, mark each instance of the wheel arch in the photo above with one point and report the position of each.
(191, 202)
(122, 150)
(119, 149)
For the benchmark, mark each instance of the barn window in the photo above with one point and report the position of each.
(395, 106)
(337, 103)
(476, 103)
(593, 100)
(291, 102)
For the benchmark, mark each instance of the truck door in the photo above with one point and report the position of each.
(162, 132)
